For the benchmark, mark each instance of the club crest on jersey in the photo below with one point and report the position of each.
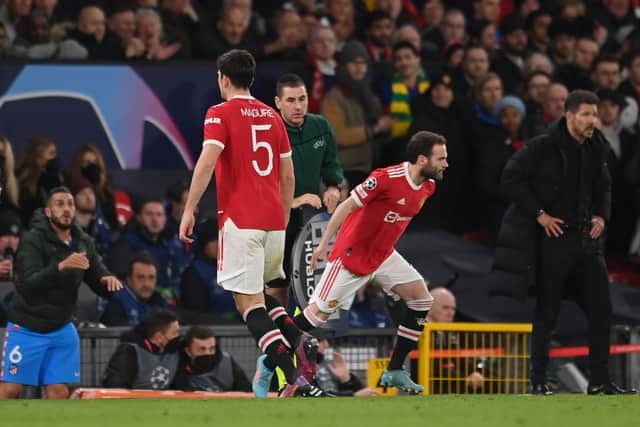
(333, 303)
(370, 183)
(13, 369)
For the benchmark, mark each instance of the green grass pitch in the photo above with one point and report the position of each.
(426, 411)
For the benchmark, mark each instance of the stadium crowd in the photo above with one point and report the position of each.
(489, 75)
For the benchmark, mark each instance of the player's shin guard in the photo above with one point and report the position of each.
(283, 321)
(409, 331)
(307, 321)
(270, 340)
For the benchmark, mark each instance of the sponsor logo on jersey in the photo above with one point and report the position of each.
(370, 183)
(318, 144)
(212, 121)
(402, 201)
(393, 217)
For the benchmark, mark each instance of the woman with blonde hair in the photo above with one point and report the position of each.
(9, 193)
(39, 172)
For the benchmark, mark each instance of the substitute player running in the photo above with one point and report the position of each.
(372, 220)
(245, 141)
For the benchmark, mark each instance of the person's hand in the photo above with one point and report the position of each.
(339, 367)
(366, 392)
(330, 198)
(475, 380)
(191, 12)
(186, 226)
(597, 226)
(163, 52)
(134, 48)
(383, 125)
(112, 283)
(77, 260)
(6, 266)
(552, 225)
(307, 199)
(318, 255)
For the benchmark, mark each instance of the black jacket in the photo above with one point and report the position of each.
(45, 297)
(532, 180)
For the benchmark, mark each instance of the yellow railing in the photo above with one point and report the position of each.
(474, 358)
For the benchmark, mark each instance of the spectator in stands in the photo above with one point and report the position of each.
(368, 309)
(432, 13)
(511, 113)
(563, 40)
(452, 27)
(145, 232)
(205, 367)
(122, 22)
(509, 61)
(150, 31)
(232, 31)
(341, 13)
(538, 83)
(444, 310)
(88, 162)
(89, 216)
(199, 290)
(483, 33)
(10, 229)
(147, 356)
(623, 146)
(186, 23)
(537, 26)
(475, 63)
(408, 82)
(538, 62)
(615, 15)
(289, 38)
(378, 32)
(91, 32)
(176, 197)
(437, 111)
(13, 15)
(38, 174)
(320, 67)
(355, 114)
(333, 375)
(631, 85)
(9, 196)
(133, 303)
(485, 125)
(552, 109)
(577, 74)
(486, 9)
(37, 42)
(606, 74)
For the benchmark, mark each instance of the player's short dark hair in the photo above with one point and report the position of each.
(156, 321)
(198, 332)
(288, 80)
(142, 257)
(57, 190)
(579, 97)
(421, 143)
(239, 66)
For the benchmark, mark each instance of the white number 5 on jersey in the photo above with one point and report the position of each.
(257, 145)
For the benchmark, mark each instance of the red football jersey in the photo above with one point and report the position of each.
(388, 201)
(253, 139)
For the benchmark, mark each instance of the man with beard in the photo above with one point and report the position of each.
(205, 367)
(373, 219)
(553, 232)
(41, 345)
(510, 60)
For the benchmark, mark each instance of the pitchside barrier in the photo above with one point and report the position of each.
(494, 358)
(448, 355)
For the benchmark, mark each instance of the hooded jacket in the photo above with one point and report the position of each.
(46, 298)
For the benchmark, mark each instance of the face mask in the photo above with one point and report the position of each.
(53, 166)
(174, 345)
(204, 363)
(91, 172)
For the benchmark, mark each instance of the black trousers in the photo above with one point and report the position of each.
(572, 263)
